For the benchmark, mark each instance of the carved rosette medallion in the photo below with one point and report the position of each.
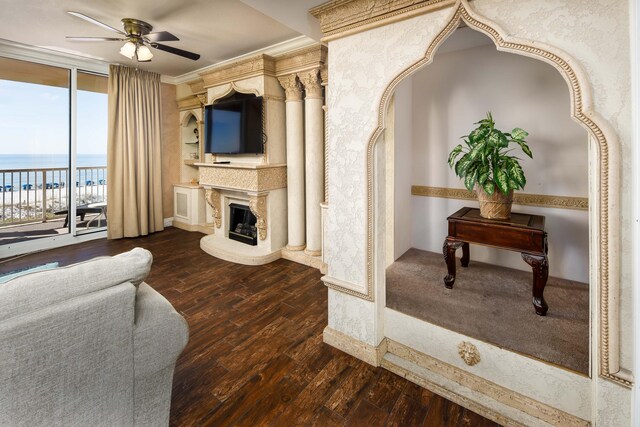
(312, 84)
(213, 198)
(469, 353)
(258, 206)
(292, 87)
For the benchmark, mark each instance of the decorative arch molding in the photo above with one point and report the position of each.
(223, 90)
(233, 87)
(605, 176)
(184, 122)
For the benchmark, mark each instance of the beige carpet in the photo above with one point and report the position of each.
(493, 304)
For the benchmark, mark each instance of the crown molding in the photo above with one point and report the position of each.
(299, 60)
(339, 18)
(23, 52)
(189, 103)
(258, 65)
(273, 50)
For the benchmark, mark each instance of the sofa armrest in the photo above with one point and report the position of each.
(160, 332)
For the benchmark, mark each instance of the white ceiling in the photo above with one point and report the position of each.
(216, 29)
(295, 14)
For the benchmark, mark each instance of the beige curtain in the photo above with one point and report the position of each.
(134, 162)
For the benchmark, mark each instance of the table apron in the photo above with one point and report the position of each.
(521, 240)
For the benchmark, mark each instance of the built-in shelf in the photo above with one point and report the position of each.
(190, 128)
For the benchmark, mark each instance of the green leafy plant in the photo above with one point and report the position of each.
(486, 161)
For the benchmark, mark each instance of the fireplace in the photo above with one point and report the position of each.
(242, 224)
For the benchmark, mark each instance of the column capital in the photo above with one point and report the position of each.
(312, 84)
(292, 87)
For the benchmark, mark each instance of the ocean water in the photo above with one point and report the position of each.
(45, 161)
(30, 163)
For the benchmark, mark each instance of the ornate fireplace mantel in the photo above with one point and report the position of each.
(260, 187)
(243, 177)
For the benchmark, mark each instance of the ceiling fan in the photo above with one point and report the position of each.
(138, 38)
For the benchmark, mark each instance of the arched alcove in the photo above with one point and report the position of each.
(431, 109)
(602, 190)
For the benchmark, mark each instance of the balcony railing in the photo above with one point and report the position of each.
(37, 195)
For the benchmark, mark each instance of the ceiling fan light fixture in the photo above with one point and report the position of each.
(144, 54)
(128, 50)
(139, 38)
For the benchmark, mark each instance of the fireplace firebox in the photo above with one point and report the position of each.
(242, 224)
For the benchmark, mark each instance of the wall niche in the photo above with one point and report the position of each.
(431, 110)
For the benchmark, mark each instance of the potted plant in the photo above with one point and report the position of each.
(486, 164)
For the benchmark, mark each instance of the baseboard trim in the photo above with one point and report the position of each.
(188, 227)
(367, 353)
(168, 222)
(493, 391)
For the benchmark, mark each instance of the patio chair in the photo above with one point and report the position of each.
(81, 211)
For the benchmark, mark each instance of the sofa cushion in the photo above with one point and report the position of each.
(33, 291)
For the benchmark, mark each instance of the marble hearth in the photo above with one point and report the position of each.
(260, 187)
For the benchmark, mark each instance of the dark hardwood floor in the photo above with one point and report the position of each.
(255, 354)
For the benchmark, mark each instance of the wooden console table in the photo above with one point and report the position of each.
(522, 233)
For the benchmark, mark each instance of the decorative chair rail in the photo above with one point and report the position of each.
(35, 195)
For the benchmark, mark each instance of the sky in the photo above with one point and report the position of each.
(34, 119)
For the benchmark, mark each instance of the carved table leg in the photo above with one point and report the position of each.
(540, 265)
(449, 252)
(464, 261)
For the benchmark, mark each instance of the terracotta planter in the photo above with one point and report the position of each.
(495, 206)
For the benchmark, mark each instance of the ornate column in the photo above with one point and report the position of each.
(295, 162)
(314, 158)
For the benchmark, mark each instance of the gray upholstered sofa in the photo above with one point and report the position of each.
(88, 345)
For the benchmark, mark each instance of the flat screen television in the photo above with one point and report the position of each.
(234, 126)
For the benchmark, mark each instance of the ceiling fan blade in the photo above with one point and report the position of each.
(161, 36)
(176, 51)
(95, 39)
(94, 21)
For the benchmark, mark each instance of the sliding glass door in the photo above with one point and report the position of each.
(53, 138)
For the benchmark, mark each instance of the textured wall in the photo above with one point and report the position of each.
(361, 67)
(170, 147)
